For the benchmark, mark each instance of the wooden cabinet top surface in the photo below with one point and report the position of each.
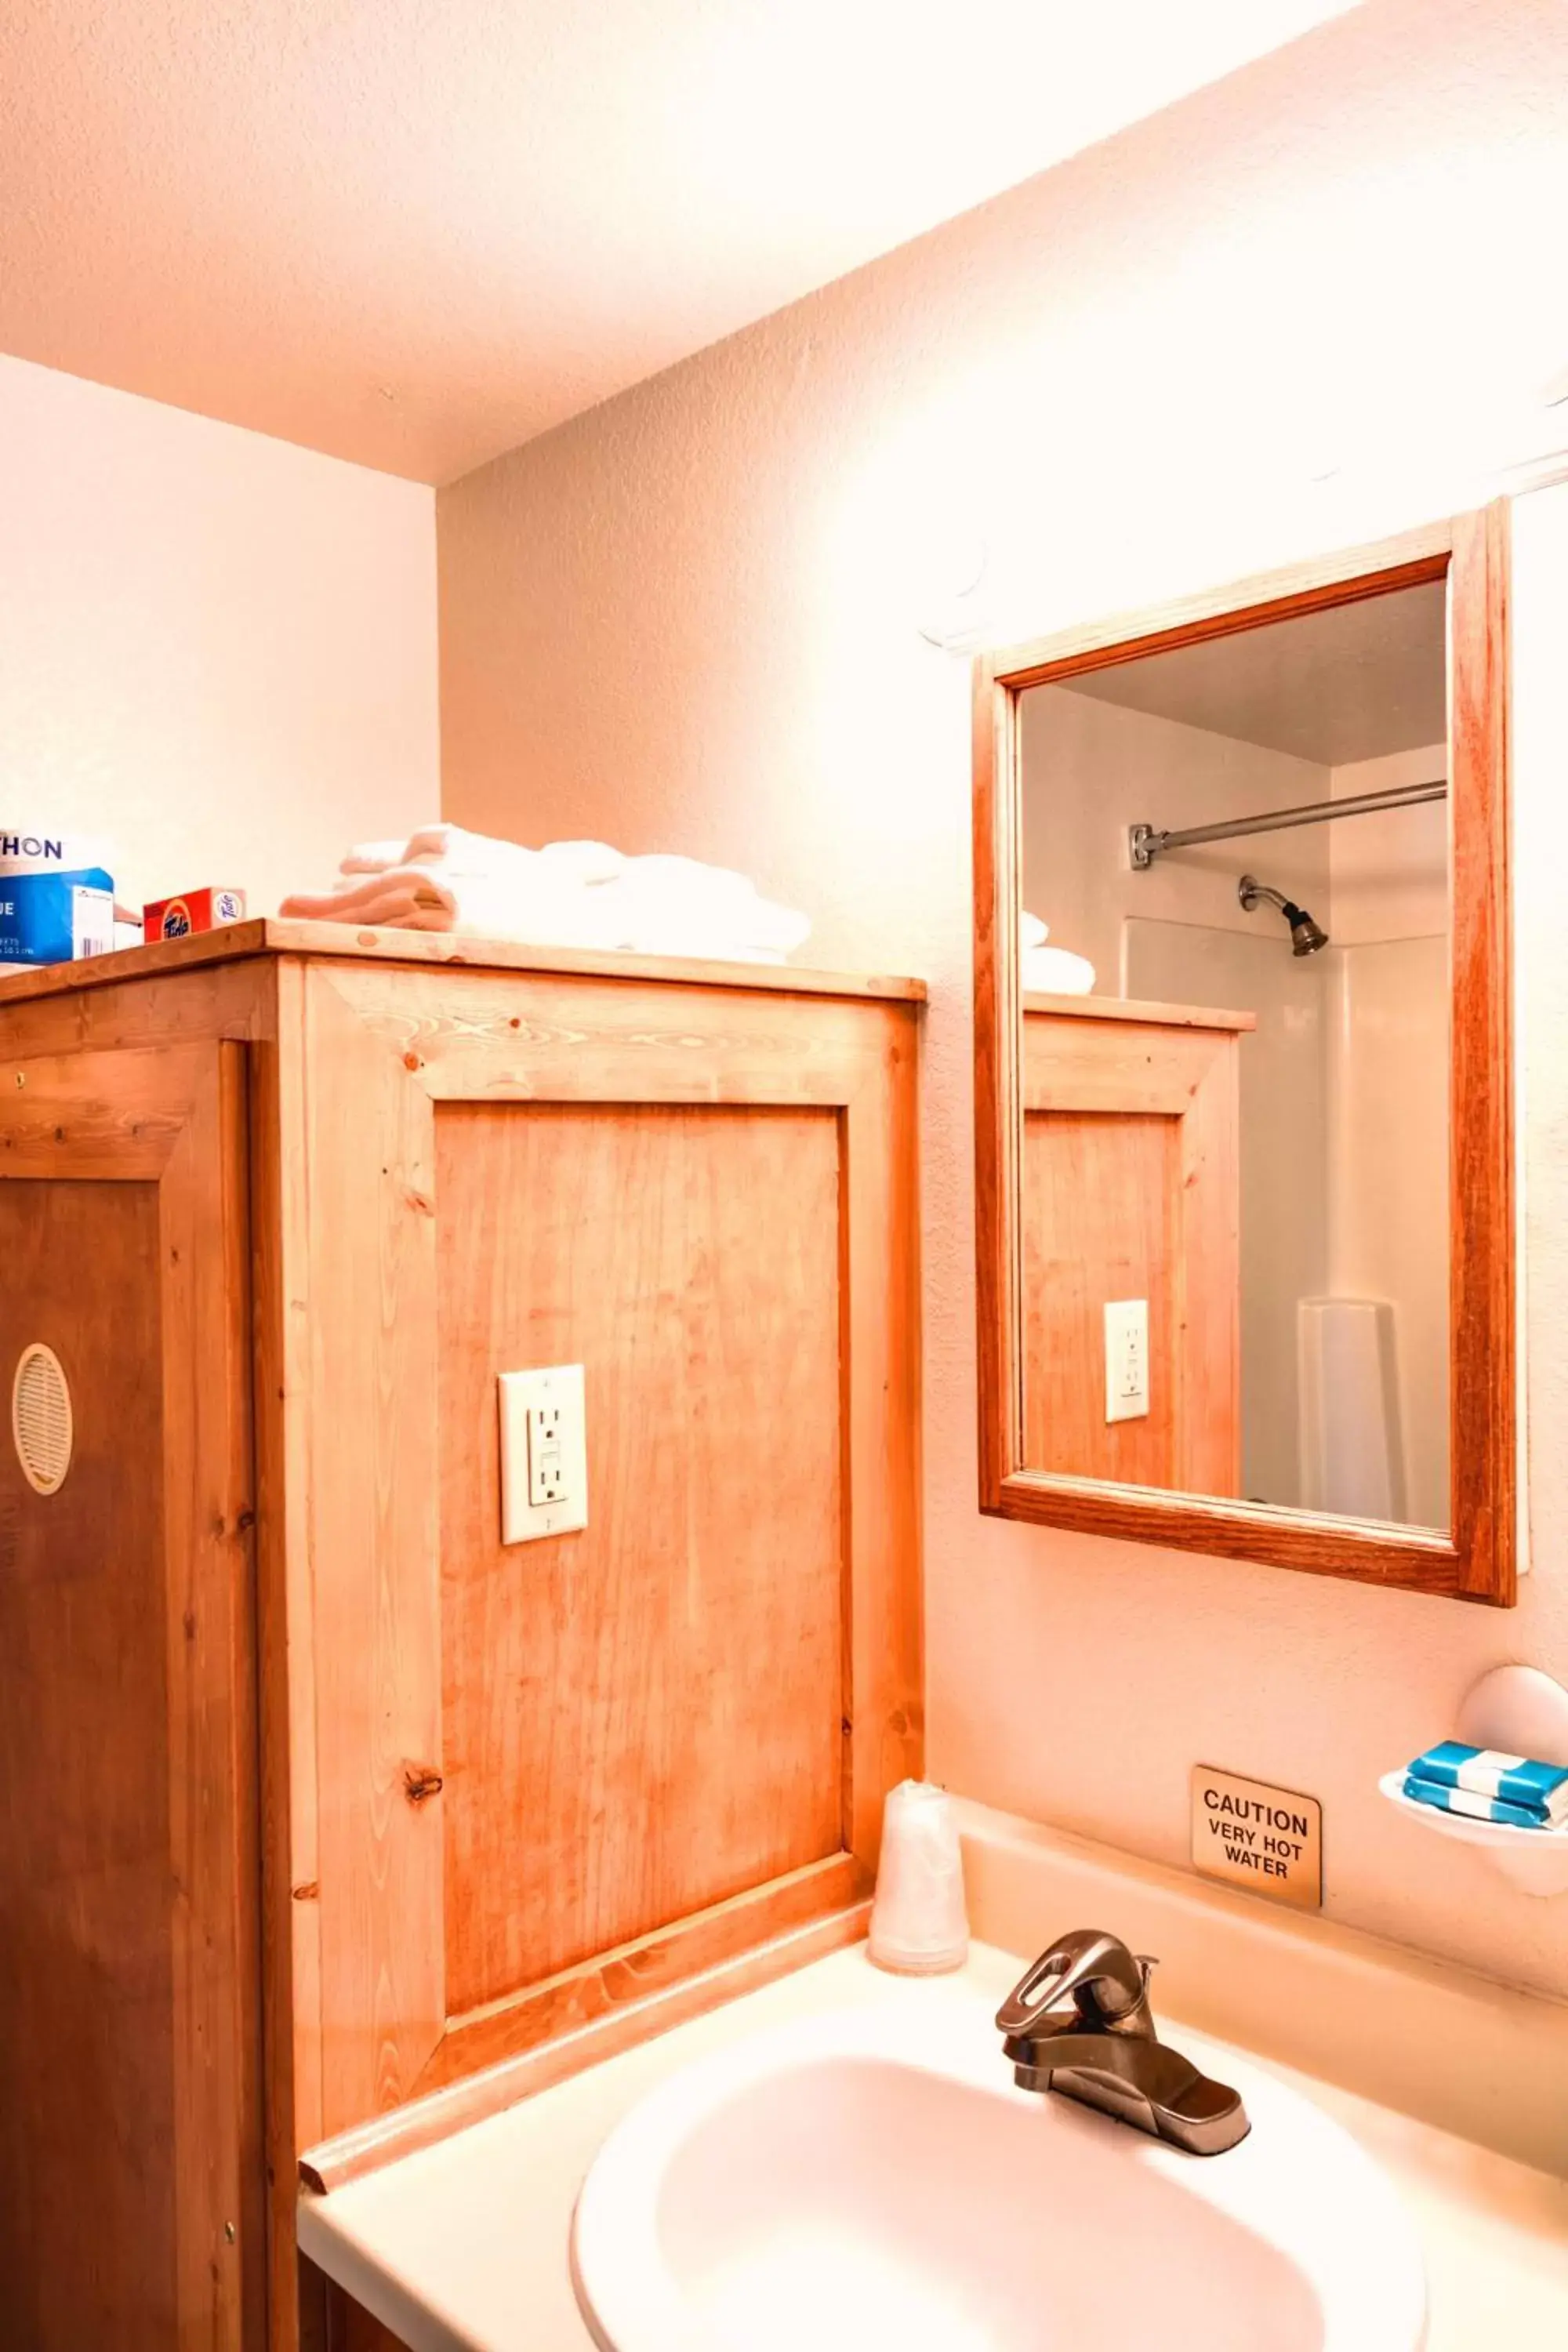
(1138, 1009)
(267, 936)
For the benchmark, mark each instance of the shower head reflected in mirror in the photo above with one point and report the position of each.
(1306, 936)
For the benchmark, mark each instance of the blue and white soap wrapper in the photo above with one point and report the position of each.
(1484, 1784)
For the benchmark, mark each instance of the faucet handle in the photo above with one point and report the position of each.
(1107, 1983)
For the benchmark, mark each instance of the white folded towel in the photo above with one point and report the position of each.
(372, 856)
(569, 894)
(1049, 971)
(1056, 971)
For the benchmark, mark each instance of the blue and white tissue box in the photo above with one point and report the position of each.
(1487, 1785)
(57, 898)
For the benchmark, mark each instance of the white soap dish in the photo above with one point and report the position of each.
(1524, 1712)
(1535, 1860)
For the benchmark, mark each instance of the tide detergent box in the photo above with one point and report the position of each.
(57, 896)
(197, 910)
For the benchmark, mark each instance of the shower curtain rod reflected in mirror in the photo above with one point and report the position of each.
(1145, 843)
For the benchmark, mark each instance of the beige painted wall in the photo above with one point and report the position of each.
(216, 649)
(691, 618)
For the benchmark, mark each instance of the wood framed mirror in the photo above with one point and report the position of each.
(1245, 1210)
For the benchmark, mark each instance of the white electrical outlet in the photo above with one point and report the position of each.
(1126, 1359)
(546, 1461)
(544, 1454)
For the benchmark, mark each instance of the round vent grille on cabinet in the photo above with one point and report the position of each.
(41, 1419)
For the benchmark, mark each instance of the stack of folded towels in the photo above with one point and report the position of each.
(570, 894)
(1489, 1786)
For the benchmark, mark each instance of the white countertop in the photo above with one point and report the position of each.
(463, 2247)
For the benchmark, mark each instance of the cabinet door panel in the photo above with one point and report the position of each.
(129, 2172)
(697, 1631)
(537, 1792)
(1129, 1189)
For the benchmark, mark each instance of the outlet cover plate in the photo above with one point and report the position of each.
(1126, 1359)
(554, 1389)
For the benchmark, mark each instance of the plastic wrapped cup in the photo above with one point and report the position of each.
(918, 1924)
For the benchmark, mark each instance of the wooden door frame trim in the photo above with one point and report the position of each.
(1476, 1561)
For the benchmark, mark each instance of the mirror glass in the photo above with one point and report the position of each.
(1235, 1064)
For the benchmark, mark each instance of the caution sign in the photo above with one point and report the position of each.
(1265, 1840)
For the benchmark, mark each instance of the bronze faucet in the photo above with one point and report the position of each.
(1079, 2023)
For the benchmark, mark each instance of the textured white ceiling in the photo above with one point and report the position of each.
(417, 232)
(1355, 682)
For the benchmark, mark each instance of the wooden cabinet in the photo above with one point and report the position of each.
(331, 1822)
(1130, 1188)
(342, 2324)
(130, 2117)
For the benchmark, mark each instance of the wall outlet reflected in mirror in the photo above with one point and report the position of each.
(1126, 1359)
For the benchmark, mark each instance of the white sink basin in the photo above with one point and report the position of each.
(827, 2187)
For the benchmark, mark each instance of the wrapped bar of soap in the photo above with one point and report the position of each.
(1487, 1785)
